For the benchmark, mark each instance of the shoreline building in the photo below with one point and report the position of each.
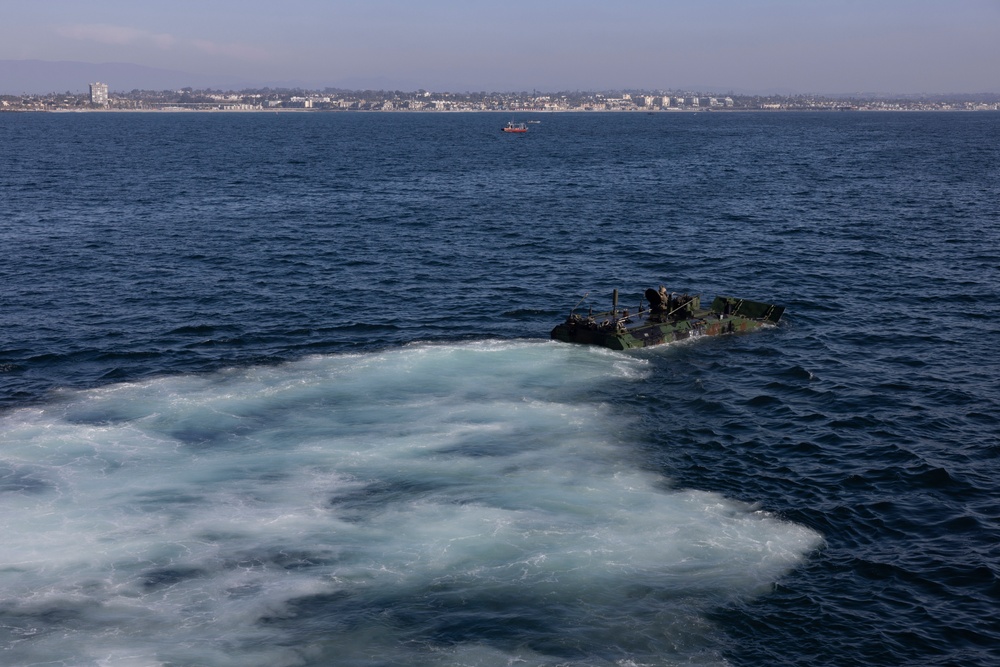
(99, 94)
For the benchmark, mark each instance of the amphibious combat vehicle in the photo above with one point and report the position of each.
(667, 318)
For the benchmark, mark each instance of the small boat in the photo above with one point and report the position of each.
(518, 128)
(668, 318)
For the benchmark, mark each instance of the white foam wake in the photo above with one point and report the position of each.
(459, 504)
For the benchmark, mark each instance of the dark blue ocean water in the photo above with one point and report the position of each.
(277, 389)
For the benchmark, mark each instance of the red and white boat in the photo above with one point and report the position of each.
(517, 128)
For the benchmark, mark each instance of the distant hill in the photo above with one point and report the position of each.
(39, 77)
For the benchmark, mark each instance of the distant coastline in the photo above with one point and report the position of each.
(333, 100)
(181, 110)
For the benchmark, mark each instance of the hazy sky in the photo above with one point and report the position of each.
(802, 46)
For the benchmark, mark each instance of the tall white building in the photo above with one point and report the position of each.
(99, 94)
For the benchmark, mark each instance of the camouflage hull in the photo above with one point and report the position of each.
(619, 331)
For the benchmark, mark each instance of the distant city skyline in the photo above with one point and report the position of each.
(785, 46)
(298, 100)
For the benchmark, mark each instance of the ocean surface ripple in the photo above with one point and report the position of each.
(277, 389)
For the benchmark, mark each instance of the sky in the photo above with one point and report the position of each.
(743, 46)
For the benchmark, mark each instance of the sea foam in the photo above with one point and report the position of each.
(473, 503)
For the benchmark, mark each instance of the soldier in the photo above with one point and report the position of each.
(665, 302)
(657, 305)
